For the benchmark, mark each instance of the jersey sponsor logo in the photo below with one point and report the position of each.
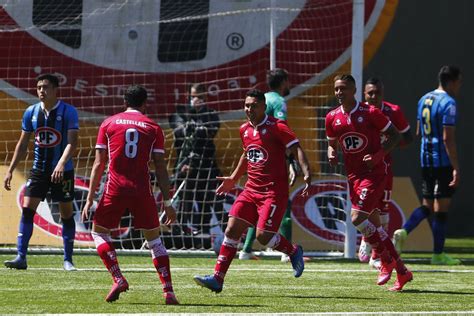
(46, 137)
(353, 142)
(323, 212)
(256, 154)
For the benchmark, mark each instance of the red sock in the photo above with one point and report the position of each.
(161, 261)
(107, 253)
(283, 245)
(162, 266)
(226, 255)
(372, 236)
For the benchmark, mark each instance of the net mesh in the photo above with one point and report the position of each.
(98, 48)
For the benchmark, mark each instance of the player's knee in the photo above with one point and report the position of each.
(264, 238)
(426, 209)
(27, 215)
(441, 217)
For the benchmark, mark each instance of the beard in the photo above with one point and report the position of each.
(286, 92)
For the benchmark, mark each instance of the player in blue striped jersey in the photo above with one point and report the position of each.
(55, 127)
(439, 161)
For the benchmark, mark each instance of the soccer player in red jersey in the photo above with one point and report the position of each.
(374, 95)
(356, 127)
(127, 140)
(264, 199)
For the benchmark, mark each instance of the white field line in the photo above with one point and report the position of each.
(259, 269)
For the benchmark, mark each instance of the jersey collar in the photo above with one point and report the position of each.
(48, 112)
(261, 123)
(353, 110)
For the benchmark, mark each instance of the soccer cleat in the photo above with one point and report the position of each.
(364, 251)
(210, 282)
(170, 298)
(402, 279)
(399, 237)
(386, 272)
(285, 258)
(115, 291)
(17, 263)
(247, 256)
(68, 266)
(297, 262)
(444, 259)
(375, 263)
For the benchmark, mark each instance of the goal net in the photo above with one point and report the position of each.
(98, 48)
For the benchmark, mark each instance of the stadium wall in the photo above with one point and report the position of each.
(425, 35)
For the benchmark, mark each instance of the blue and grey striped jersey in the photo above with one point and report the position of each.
(50, 132)
(435, 110)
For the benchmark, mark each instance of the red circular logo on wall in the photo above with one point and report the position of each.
(322, 213)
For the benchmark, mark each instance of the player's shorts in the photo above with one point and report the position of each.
(367, 192)
(262, 210)
(39, 183)
(111, 208)
(387, 192)
(436, 182)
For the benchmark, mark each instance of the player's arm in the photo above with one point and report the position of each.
(332, 151)
(298, 152)
(19, 154)
(97, 170)
(58, 172)
(406, 138)
(394, 137)
(228, 183)
(163, 182)
(449, 139)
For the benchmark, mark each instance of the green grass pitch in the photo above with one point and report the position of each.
(264, 286)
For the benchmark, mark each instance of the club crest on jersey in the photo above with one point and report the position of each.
(360, 119)
(256, 154)
(353, 142)
(47, 137)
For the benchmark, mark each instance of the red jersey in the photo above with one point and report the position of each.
(265, 146)
(130, 137)
(358, 133)
(396, 116)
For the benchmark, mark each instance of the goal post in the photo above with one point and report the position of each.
(98, 48)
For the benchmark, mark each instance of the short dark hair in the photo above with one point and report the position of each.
(276, 77)
(199, 87)
(257, 94)
(345, 77)
(53, 79)
(135, 96)
(374, 81)
(448, 74)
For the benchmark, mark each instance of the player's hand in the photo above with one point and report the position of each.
(332, 159)
(307, 180)
(456, 177)
(371, 160)
(58, 174)
(170, 215)
(227, 184)
(86, 209)
(184, 168)
(291, 174)
(7, 181)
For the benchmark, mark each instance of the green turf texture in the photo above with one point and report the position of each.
(264, 286)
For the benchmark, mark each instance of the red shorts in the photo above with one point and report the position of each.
(367, 192)
(111, 209)
(263, 210)
(387, 193)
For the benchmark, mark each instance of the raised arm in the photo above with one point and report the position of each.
(228, 183)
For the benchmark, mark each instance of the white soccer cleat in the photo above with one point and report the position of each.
(375, 263)
(247, 256)
(68, 266)
(365, 251)
(399, 238)
(285, 258)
